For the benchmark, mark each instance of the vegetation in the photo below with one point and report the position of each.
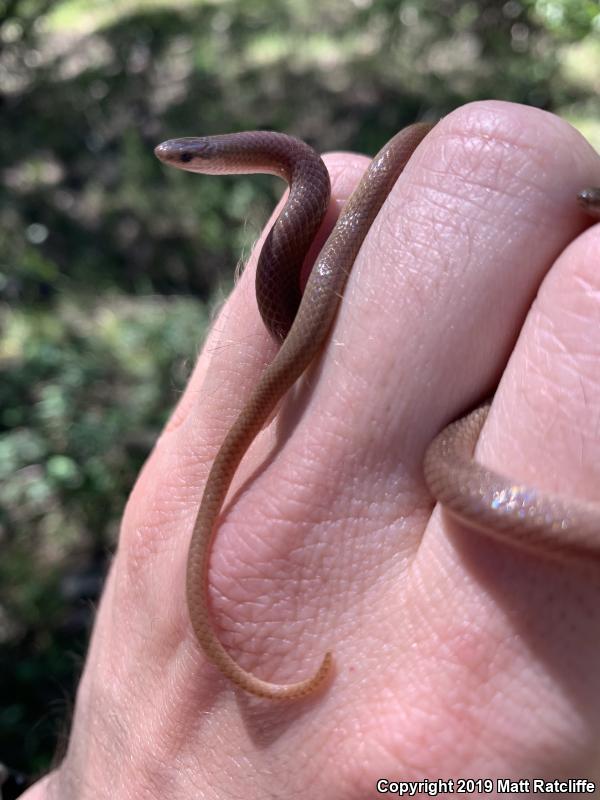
(109, 263)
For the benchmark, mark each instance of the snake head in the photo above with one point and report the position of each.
(589, 199)
(190, 153)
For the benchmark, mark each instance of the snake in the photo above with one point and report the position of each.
(491, 503)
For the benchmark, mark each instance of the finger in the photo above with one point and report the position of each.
(444, 280)
(552, 378)
(431, 313)
(482, 600)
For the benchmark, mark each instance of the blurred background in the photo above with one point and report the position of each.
(110, 263)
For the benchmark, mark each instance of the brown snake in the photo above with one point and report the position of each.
(517, 514)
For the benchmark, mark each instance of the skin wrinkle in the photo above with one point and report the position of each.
(464, 193)
(407, 304)
(496, 125)
(252, 556)
(479, 163)
(533, 159)
(491, 293)
(440, 639)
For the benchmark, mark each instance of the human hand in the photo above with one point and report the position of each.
(455, 655)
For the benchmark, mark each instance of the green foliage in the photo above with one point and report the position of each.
(100, 245)
(567, 19)
(84, 391)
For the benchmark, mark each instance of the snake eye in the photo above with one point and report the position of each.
(186, 157)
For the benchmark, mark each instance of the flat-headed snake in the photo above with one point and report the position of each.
(520, 515)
